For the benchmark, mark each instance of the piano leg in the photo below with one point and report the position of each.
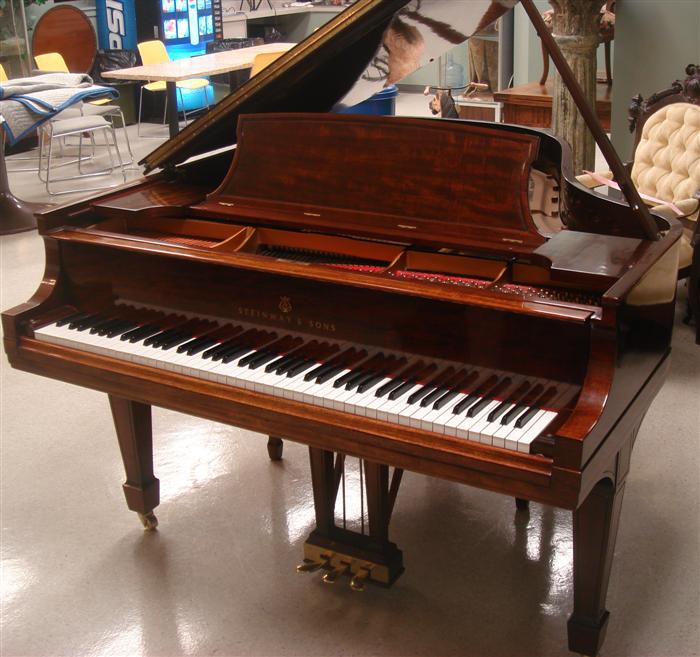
(595, 526)
(339, 551)
(132, 421)
(274, 448)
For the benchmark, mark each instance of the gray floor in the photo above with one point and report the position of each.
(80, 577)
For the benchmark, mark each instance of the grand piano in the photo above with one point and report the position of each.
(433, 296)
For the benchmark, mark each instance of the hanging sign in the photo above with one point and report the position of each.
(116, 24)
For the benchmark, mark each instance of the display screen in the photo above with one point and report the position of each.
(187, 21)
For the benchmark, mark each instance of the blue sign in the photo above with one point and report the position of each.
(116, 24)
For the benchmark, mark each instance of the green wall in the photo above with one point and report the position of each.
(654, 41)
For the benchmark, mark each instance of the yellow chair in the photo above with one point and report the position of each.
(51, 62)
(263, 60)
(154, 52)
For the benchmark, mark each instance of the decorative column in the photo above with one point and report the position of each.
(575, 26)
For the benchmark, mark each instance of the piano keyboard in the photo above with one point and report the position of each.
(472, 403)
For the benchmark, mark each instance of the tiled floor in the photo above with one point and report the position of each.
(80, 577)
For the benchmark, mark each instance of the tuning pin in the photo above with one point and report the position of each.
(310, 566)
(332, 575)
(357, 583)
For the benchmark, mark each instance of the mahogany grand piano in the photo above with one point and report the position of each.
(431, 295)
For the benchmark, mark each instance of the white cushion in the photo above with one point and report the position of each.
(667, 159)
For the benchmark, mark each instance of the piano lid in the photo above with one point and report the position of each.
(368, 46)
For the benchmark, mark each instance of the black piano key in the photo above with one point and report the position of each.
(447, 397)
(526, 417)
(116, 328)
(348, 377)
(318, 371)
(221, 350)
(389, 386)
(301, 367)
(280, 363)
(474, 395)
(433, 395)
(465, 403)
(396, 393)
(517, 410)
(175, 340)
(490, 396)
(358, 376)
(264, 357)
(83, 324)
(229, 355)
(159, 338)
(108, 321)
(121, 329)
(511, 399)
(284, 367)
(72, 318)
(331, 371)
(369, 383)
(431, 385)
(330, 368)
(246, 360)
(538, 405)
(139, 333)
(199, 344)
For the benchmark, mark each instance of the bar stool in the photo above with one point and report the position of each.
(80, 127)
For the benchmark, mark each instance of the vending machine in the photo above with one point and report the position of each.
(185, 27)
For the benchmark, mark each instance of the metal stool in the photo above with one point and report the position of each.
(79, 126)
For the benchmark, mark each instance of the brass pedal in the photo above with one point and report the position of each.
(312, 565)
(332, 575)
(357, 581)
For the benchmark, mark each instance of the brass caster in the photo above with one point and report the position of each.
(149, 520)
(332, 575)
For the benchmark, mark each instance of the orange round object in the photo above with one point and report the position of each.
(68, 31)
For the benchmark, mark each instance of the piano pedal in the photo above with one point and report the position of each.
(357, 581)
(148, 520)
(312, 565)
(340, 568)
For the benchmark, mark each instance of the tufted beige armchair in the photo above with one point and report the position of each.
(666, 168)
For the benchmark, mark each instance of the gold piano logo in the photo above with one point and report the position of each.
(285, 305)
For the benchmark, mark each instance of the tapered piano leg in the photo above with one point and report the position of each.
(274, 448)
(595, 530)
(132, 421)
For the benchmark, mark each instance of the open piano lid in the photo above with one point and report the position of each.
(341, 64)
(370, 45)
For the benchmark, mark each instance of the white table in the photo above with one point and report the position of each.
(175, 71)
